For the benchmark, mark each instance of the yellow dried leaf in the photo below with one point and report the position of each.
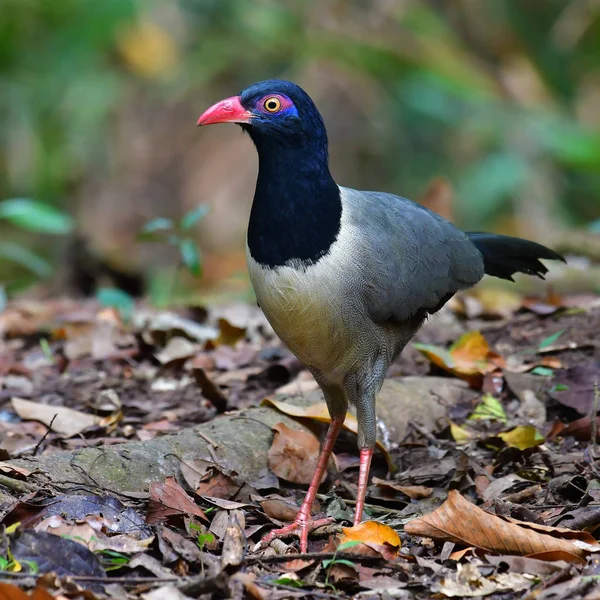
(371, 532)
(460, 434)
(522, 437)
(469, 358)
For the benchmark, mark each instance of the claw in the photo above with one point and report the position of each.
(301, 526)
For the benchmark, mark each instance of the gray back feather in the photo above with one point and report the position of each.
(413, 260)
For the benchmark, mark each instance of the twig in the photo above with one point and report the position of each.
(348, 488)
(46, 434)
(372, 507)
(279, 558)
(523, 495)
(424, 432)
(289, 588)
(95, 579)
(196, 585)
(207, 439)
(594, 418)
(18, 485)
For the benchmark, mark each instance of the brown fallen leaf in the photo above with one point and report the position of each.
(279, 508)
(467, 582)
(320, 412)
(225, 504)
(178, 348)
(89, 533)
(525, 564)
(14, 471)
(297, 564)
(206, 479)
(229, 334)
(575, 386)
(458, 555)
(218, 485)
(469, 358)
(457, 520)
(338, 572)
(169, 498)
(294, 454)
(66, 421)
(248, 582)
(580, 429)
(173, 544)
(8, 591)
(209, 389)
(417, 492)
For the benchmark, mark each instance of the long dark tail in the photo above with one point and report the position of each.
(503, 256)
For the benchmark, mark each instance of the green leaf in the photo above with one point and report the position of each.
(116, 298)
(337, 561)
(156, 230)
(289, 581)
(543, 371)
(550, 339)
(190, 256)
(36, 216)
(26, 258)
(194, 216)
(489, 408)
(47, 351)
(346, 545)
(559, 387)
(113, 560)
(204, 538)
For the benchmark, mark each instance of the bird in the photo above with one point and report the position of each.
(346, 278)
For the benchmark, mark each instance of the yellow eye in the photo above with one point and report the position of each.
(272, 104)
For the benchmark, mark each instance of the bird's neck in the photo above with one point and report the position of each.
(297, 207)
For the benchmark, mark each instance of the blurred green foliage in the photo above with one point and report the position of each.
(499, 96)
(35, 217)
(177, 234)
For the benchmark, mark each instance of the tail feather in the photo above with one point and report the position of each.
(503, 256)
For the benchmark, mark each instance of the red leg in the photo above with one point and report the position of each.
(304, 522)
(363, 479)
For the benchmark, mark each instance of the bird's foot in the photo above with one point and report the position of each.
(301, 527)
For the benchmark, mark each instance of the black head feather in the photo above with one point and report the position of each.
(297, 209)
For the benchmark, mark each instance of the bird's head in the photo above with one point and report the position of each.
(272, 112)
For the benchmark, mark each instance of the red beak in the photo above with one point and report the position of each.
(229, 110)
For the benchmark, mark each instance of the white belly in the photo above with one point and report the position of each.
(305, 308)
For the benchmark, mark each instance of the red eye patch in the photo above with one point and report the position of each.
(274, 103)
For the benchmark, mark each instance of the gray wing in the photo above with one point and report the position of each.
(412, 260)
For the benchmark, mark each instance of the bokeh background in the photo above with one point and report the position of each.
(489, 112)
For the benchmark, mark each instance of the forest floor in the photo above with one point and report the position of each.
(145, 455)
